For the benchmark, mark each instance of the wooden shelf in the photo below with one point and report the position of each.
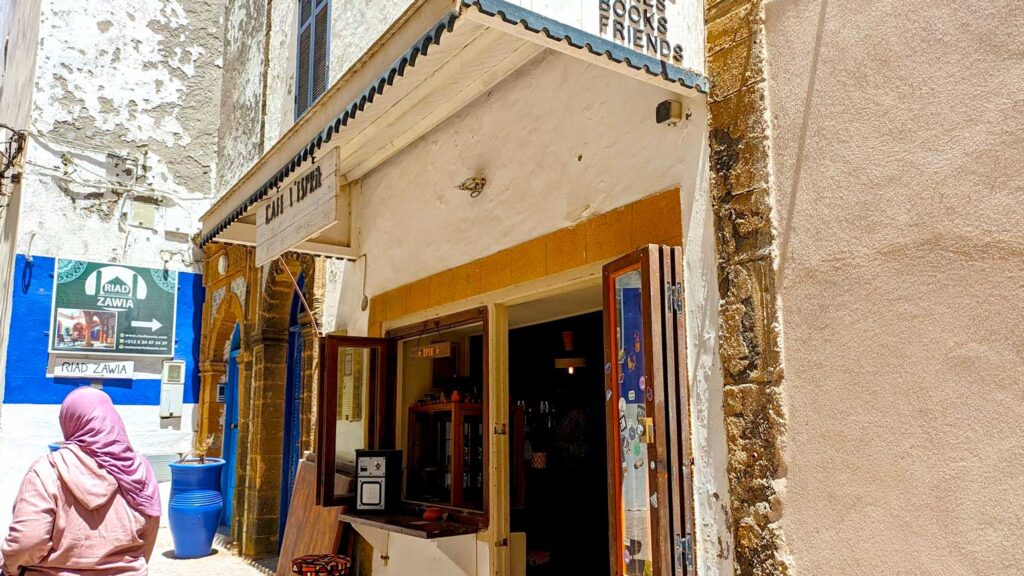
(446, 407)
(455, 456)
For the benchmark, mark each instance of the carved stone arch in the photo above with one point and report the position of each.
(278, 290)
(225, 312)
(262, 435)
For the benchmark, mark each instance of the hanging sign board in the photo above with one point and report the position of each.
(93, 369)
(433, 350)
(302, 208)
(670, 30)
(112, 309)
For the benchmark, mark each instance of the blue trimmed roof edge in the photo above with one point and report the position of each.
(510, 13)
(384, 81)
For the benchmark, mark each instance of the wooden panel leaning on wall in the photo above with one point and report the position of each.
(311, 529)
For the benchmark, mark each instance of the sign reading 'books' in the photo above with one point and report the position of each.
(112, 309)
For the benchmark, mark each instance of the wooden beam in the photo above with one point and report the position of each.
(245, 235)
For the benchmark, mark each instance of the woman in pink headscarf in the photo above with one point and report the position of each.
(90, 508)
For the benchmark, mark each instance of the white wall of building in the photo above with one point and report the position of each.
(19, 34)
(559, 141)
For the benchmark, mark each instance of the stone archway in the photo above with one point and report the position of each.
(262, 424)
(226, 312)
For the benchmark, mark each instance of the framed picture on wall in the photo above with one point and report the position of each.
(348, 363)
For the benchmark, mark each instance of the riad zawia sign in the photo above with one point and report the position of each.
(113, 309)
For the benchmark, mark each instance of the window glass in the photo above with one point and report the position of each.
(633, 399)
(440, 405)
(353, 381)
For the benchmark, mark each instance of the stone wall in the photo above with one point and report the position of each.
(741, 190)
(259, 301)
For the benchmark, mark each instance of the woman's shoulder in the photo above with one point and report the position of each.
(44, 467)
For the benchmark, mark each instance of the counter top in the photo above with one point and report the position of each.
(410, 524)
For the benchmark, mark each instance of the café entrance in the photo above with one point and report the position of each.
(557, 456)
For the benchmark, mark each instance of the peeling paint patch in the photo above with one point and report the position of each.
(101, 67)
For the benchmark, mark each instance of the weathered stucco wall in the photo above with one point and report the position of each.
(17, 74)
(241, 105)
(897, 139)
(258, 103)
(355, 26)
(123, 96)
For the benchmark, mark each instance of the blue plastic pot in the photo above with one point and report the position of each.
(195, 506)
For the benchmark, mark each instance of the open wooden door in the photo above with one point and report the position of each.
(352, 372)
(647, 412)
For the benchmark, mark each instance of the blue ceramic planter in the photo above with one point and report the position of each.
(195, 506)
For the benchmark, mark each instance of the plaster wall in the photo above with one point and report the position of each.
(20, 31)
(258, 101)
(20, 35)
(559, 141)
(240, 141)
(120, 116)
(897, 131)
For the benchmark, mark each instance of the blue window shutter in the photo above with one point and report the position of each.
(312, 58)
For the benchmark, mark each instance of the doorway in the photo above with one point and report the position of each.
(292, 433)
(558, 442)
(230, 448)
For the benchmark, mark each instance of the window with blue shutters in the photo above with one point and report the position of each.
(311, 62)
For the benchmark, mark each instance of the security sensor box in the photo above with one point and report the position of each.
(378, 480)
(172, 388)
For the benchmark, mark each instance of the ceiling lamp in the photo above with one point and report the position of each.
(569, 361)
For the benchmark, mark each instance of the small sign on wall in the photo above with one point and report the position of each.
(93, 369)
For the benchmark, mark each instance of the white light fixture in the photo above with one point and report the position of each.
(222, 264)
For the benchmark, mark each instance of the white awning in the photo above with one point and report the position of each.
(432, 65)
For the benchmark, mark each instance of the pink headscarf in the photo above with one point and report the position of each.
(89, 421)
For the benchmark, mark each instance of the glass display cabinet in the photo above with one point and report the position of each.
(446, 454)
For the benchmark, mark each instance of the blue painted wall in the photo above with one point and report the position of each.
(26, 381)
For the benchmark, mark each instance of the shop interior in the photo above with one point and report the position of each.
(558, 493)
(558, 460)
(442, 419)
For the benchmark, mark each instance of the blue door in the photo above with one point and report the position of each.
(291, 449)
(230, 451)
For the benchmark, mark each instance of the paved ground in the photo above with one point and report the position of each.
(222, 561)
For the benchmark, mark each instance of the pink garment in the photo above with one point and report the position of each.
(70, 519)
(89, 421)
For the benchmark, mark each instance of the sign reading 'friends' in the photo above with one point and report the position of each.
(642, 25)
(669, 30)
